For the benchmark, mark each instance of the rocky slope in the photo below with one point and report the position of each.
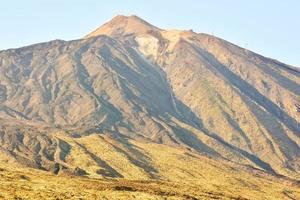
(116, 102)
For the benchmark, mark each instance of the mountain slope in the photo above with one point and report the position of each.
(133, 101)
(237, 96)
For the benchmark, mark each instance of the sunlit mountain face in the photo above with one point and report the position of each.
(134, 102)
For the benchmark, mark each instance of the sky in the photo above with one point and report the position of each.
(268, 27)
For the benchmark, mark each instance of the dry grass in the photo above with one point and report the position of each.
(38, 185)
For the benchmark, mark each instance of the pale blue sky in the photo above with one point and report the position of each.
(268, 27)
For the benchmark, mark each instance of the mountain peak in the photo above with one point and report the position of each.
(127, 17)
(122, 25)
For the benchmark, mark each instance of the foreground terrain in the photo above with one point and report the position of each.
(103, 166)
(23, 183)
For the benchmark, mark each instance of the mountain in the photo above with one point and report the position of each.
(137, 102)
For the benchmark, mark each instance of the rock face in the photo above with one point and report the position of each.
(129, 81)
